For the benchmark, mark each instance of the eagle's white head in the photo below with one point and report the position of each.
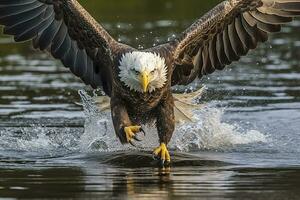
(143, 71)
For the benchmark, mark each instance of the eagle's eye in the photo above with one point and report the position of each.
(153, 71)
(135, 72)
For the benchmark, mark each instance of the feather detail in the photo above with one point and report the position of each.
(184, 105)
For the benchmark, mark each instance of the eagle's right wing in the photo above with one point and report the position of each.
(66, 30)
(226, 33)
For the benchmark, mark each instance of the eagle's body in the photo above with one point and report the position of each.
(143, 108)
(139, 82)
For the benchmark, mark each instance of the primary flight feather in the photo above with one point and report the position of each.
(139, 82)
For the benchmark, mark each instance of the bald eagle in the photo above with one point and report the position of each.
(139, 81)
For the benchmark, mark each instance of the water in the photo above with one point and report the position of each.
(55, 143)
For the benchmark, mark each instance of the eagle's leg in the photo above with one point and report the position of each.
(122, 123)
(165, 127)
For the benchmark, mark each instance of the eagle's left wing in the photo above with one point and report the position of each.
(68, 32)
(225, 34)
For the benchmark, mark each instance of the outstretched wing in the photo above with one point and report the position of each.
(68, 32)
(226, 33)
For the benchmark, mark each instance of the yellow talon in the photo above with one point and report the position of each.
(162, 152)
(130, 132)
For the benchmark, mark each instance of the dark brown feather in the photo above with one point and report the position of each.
(243, 35)
(235, 41)
(270, 19)
(207, 65)
(230, 53)
(213, 56)
(228, 32)
(220, 50)
(68, 32)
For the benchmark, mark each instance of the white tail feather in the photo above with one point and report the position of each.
(183, 109)
(103, 103)
(185, 105)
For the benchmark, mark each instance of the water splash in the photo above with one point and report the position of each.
(208, 133)
(39, 140)
(98, 135)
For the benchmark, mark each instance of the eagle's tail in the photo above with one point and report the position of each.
(183, 109)
(185, 105)
(103, 103)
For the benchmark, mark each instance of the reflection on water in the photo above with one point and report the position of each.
(207, 179)
(245, 144)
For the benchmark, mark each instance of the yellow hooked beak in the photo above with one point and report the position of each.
(144, 78)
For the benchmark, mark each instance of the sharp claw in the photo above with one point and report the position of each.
(162, 154)
(162, 163)
(155, 157)
(167, 163)
(137, 139)
(131, 134)
(142, 130)
(130, 142)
